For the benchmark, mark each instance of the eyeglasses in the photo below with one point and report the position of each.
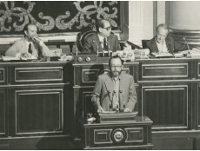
(108, 28)
(118, 66)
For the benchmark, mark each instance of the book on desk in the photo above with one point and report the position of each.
(162, 55)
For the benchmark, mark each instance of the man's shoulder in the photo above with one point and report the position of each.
(104, 76)
(126, 75)
(91, 36)
(112, 36)
(151, 40)
(169, 37)
(19, 41)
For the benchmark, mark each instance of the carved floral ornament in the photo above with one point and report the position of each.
(81, 19)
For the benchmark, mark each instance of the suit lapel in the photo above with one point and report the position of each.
(110, 43)
(109, 86)
(99, 47)
(167, 41)
(154, 46)
(24, 46)
(122, 86)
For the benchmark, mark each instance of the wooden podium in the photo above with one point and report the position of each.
(132, 134)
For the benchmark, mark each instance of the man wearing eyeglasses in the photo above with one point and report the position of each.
(114, 91)
(102, 39)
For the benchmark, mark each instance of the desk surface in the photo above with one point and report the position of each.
(138, 120)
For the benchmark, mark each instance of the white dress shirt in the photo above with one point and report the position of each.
(162, 47)
(101, 40)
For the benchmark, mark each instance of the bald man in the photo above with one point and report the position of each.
(30, 46)
(102, 39)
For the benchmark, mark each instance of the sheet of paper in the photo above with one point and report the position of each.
(8, 58)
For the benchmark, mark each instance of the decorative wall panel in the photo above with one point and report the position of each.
(56, 17)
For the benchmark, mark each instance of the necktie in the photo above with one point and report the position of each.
(105, 45)
(115, 102)
(29, 49)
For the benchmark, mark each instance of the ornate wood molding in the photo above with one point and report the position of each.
(191, 36)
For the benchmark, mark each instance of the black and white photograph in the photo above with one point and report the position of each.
(99, 75)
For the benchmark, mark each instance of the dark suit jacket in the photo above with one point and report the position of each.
(92, 43)
(171, 45)
(103, 92)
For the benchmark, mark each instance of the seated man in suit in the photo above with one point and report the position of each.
(30, 46)
(102, 40)
(164, 42)
(114, 91)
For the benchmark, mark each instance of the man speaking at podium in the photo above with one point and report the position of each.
(102, 40)
(164, 42)
(30, 46)
(114, 91)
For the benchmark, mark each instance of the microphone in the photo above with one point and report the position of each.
(186, 43)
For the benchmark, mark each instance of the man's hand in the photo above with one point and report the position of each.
(127, 110)
(26, 55)
(36, 39)
(100, 109)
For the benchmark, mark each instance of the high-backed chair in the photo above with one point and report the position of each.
(144, 43)
(81, 39)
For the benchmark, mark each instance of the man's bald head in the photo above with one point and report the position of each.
(162, 32)
(103, 27)
(30, 30)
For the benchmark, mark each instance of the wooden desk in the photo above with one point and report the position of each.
(34, 102)
(168, 93)
(47, 99)
(135, 134)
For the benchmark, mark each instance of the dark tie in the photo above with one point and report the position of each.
(105, 45)
(29, 49)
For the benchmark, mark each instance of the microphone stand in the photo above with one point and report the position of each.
(187, 45)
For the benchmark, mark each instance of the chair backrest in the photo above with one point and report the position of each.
(4, 48)
(144, 43)
(81, 39)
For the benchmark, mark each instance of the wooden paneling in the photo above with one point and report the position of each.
(173, 143)
(3, 112)
(37, 74)
(118, 135)
(135, 134)
(164, 71)
(167, 106)
(102, 136)
(83, 102)
(197, 143)
(87, 75)
(38, 111)
(198, 106)
(198, 70)
(3, 75)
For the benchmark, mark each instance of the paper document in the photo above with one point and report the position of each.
(162, 55)
(8, 58)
